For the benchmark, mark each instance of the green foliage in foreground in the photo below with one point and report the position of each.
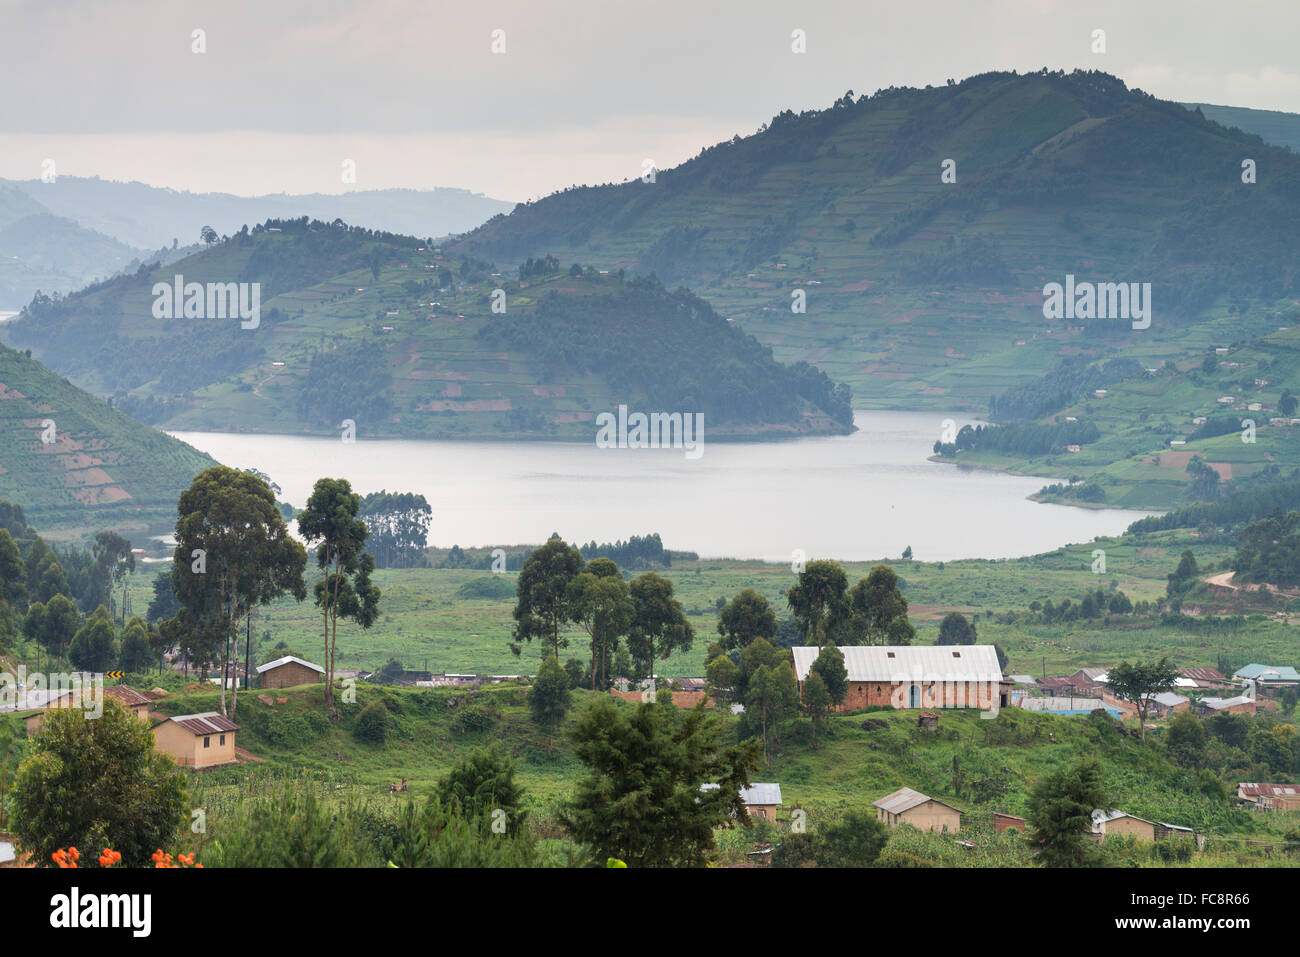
(95, 784)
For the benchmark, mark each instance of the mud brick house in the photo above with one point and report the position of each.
(288, 672)
(197, 740)
(1113, 822)
(916, 676)
(906, 806)
(1009, 822)
(130, 699)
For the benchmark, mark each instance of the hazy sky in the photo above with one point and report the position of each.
(411, 91)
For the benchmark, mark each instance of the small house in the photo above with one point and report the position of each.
(197, 740)
(1238, 705)
(1008, 822)
(135, 703)
(1168, 703)
(906, 806)
(761, 799)
(288, 672)
(914, 676)
(1114, 822)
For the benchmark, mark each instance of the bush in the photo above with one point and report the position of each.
(472, 718)
(372, 723)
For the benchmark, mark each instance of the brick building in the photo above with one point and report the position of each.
(288, 672)
(915, 676)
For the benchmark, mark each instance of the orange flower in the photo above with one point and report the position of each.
(109, 858)
(66, 859)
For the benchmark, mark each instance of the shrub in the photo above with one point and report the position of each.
(472, 718)
(372, 723)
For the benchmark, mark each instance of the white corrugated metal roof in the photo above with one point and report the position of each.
(758, 793)
(894, 663)
(285, 660)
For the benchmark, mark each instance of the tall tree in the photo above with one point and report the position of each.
(773, 696)
(543, 604)
(878, 609)
(816, 701)
(548, 698)
(642, 799)
(233, 552)
(13, 573)
(94, 646)
(600, 602)
(659, 625)
(399, 527)
(829, 666)
(331, 521)
(136, 655)
(747, 616)
(1060, 813)
(113, 555)
(820, 596)
(1138, 682)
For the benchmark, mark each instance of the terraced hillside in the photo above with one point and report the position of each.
(78, 465)
(409, 342)
(924, 293)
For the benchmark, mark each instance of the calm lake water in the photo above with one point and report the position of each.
(856, 498)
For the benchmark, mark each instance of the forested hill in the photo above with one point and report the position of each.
(409, 342)
(76, 465)
(927, 293)
(855, 191)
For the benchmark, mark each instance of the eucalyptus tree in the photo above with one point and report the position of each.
(332, 522)
(659, 625)
(233, 552)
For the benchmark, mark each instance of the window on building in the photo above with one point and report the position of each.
(207, 742)
(223, 739)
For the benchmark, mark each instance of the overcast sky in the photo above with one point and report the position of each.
(411, 91)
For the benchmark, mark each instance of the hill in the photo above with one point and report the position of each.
(41, 250)
(77, 465)
(408, 342)
(150, 217)
(929, 294)
(1272, 126)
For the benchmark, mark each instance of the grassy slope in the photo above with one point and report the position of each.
(422, 619)
(104, 470)
(853, 767)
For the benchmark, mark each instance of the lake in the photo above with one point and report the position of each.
(855, 498)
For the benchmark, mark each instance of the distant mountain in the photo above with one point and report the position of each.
(925, 293)
(75, 465)
(150, 217)
(39, 250)
(57, 237)
(1272, 126)
(408, 342)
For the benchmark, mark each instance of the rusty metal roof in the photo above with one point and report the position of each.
(209, 722)
(128, 696)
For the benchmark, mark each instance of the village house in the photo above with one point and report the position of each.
(916, 676)
(1205, 678)
(1266, 676)
(136, 703)
(761, 799)
(906, 806)
(288, 672)
(1167, 703)
(197, 740)
(1238, 705)
(1009, 822)
(1270, 797)
(1114, 822)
